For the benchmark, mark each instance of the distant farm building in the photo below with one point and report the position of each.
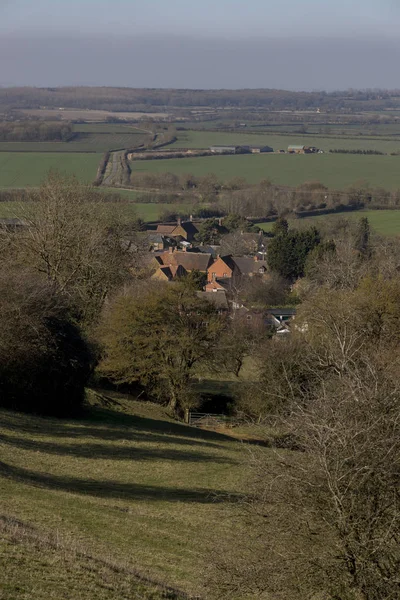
(261, 149)
(230, 149)
(302, 149)
(240, 149)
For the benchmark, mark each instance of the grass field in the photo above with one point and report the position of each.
(82, 142)
(204, 139)
(24, 169)
(121, 491)
(334, 170)
(385, 222)
(107, 128)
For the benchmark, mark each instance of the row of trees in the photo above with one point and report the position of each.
(125, 99)
(35, 131)
(265, 199)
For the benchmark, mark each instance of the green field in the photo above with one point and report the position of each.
(204, 139)
(124, 490)
(82, 142)
(24, 169)
(385, 222)
(107, 128)
(334, 170)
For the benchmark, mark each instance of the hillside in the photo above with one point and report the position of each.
(112, 504)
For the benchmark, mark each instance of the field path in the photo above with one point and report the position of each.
(108, 181)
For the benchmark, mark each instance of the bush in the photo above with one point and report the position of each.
(44, 360)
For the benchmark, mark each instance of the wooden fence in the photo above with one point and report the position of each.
(208, 420)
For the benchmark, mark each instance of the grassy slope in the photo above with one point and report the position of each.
(385, 222)
(133, 489)
(23, 169)
(334, 170)
(204, 139)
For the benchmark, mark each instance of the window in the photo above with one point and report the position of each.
(225, 274)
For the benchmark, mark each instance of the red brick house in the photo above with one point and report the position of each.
(190, 261)
(226, 267)
(186, 230)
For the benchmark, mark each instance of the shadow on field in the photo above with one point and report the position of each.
(114, 489)
(113, 452)
(113, 425)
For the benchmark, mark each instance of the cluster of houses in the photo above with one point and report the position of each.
(176, 254)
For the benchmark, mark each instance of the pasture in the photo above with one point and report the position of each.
(204, 139)
(81, 142)
(336, 171)
(29, 169)
(88, 115)
(125, 490)
(384, 222)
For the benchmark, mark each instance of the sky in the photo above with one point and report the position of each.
(290, 44)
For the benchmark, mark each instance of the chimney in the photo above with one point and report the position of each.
(179, 221)
(191, 218)
(256, 259)
(220, 222)
(171, 249)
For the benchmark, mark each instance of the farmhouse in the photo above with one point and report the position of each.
(230, 149)
(186, 230)
(261, 149)
(190, 261)
(302, 150)
(227, 267)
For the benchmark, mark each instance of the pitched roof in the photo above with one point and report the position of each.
(218, 300)
(166, 229)
(189, 227)
(248, 265)
(188, 260)
(229, 261)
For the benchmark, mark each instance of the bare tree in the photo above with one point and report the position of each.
(75, 241)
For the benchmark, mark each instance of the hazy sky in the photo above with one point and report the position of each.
(296, 44)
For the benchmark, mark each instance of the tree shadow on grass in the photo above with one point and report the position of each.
(113, 425)
(113, 452)
(115, 489)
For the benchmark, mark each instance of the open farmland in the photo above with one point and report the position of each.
(334, 170)
(384, 222)
(89, 115)
(28, 169)
(204, 139)
(81, 142)
(131, 490)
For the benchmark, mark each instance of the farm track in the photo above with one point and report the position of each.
(108, 181)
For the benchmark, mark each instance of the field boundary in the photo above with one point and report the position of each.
(30, 534)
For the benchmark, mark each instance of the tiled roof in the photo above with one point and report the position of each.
(188, 260)
(248, 265)
(218, 300)
(166, 229)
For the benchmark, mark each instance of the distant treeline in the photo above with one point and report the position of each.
(359, 151)
(35, 131)
(125, 99)
(263, 200)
